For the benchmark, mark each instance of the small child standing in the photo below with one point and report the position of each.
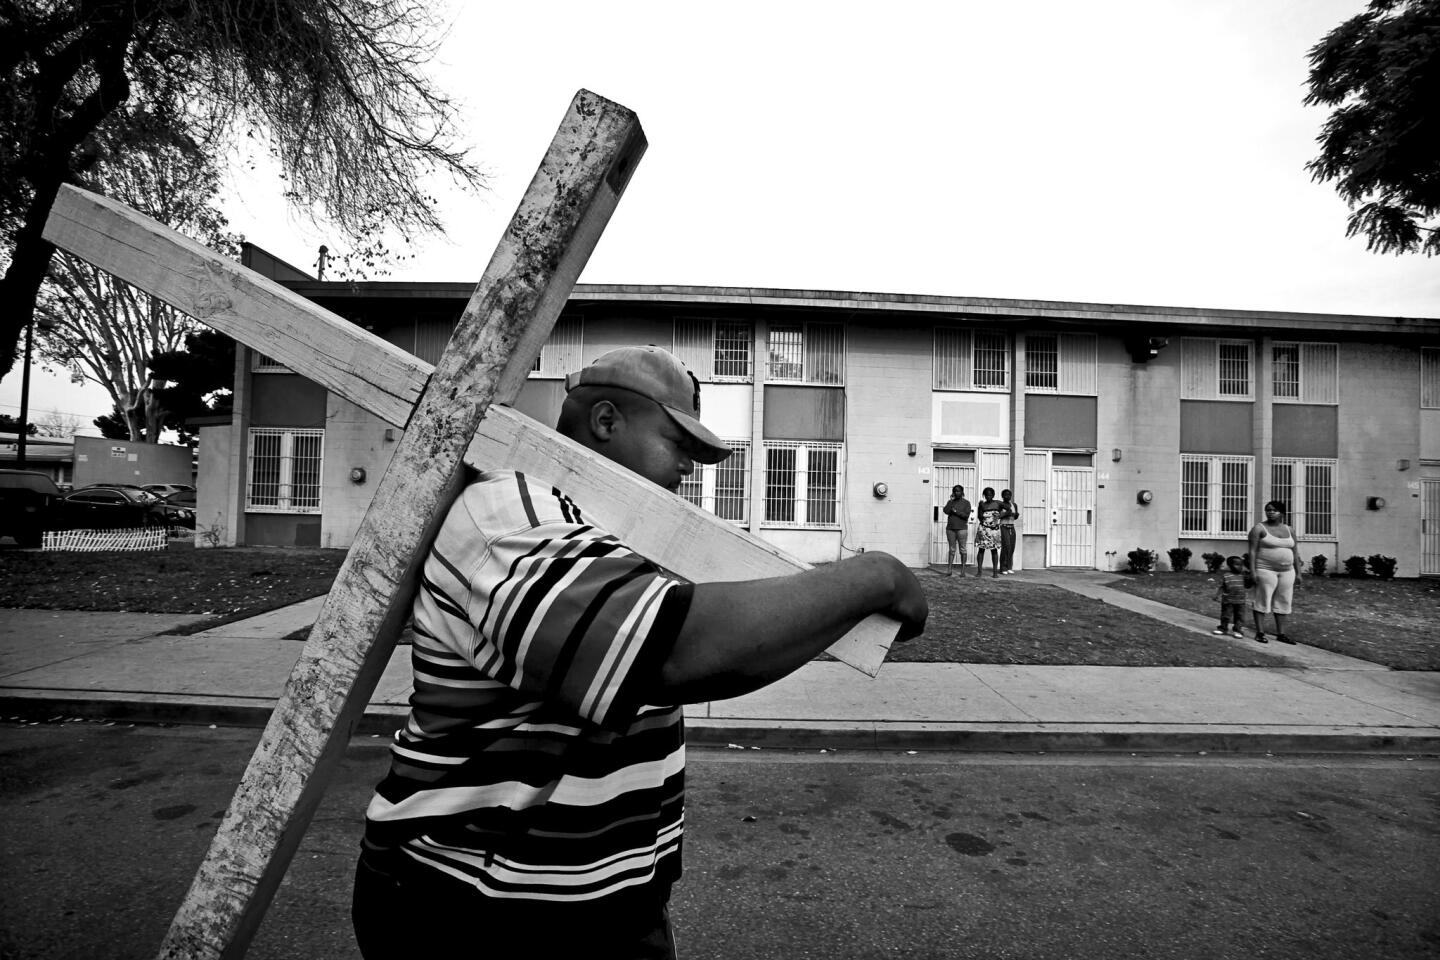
(1231, 593)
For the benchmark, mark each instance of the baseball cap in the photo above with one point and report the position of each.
(657, 375)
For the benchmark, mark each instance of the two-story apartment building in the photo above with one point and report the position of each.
(853, 414)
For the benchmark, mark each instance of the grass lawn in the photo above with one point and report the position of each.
(1392, 622)
(225, 584)
(972, 620)
(980, 620)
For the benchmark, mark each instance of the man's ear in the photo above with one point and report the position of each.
(605, 420)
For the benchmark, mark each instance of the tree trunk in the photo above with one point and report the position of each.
(29, 262)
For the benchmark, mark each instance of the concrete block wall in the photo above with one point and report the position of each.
(1138, 413)
(887, 399)
(1379, 425)
(353, 438)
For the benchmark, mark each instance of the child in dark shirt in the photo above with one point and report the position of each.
(1231, 593)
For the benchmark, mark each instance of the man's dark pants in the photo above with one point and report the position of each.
(439, 918)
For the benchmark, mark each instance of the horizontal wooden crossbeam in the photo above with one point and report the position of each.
(380, 378)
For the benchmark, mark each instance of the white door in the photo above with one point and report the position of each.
(1430, 528)
(1072, 517)
(942, 478)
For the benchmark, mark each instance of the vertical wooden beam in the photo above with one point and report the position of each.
(499, 335)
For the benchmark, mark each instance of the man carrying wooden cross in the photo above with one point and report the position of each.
(536, 793)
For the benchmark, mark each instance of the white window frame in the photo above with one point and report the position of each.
(1202, 372)
(1076, 363)
(563, 349)
(284, 499)
(1317, 372)
(702, 487)
(957, 353)
(1430, 378)
(1221, 508)
(1293, 483)
(799, 506)
(803, 342)
(701, 344)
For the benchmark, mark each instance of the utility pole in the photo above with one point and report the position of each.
(24, 396)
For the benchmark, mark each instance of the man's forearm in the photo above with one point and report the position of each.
(739, 637)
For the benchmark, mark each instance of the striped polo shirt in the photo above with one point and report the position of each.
(531, 765)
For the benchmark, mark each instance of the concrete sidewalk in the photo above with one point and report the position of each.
(123, 666)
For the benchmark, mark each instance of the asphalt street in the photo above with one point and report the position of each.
(799, 854)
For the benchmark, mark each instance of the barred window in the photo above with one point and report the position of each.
(714, 349)
(1061, 363)
(1307, 488)
(1216, 369)
(722, 488)
(1234, 369)
(1285, 359)
(807, 352)
(259, 363)
(787, 352)
(971, 359)
(732, 349)
(1042, 362)
(1430, 378)
(992, 360)
(1215, 496)
(1305, 372)
(802, 484)
(285, 466)
(562, 351)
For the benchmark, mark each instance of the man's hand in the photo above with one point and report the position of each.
(908, 605)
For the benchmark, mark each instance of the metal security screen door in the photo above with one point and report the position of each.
(1072, 517)
(945, 476)
(1430, 528)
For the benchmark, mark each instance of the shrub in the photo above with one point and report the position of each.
(1179, 557)
(1382, 567)
(1213, 561)
(1317, 565)
(1355, 567)
(1141, 560)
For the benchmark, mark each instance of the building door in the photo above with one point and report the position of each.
(1430, 528)
(1072, 517)
(943, 477)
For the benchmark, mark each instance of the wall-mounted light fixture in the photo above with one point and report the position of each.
(1115, 454)
(1144, 497)
(910, 449)
(881, 490)
(1374, 503)
(357, 474)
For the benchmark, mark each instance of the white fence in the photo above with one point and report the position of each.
(95, 541)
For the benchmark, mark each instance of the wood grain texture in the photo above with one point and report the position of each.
(497, 339)
(252, 309)
(654, 522)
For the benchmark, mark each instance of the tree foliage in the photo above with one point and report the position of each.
(1380, 70)
(104, 328)
(9, 424)
(334, 88)
(201, 378)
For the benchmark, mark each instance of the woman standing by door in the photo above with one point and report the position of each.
(1275, 569)
(987, 532)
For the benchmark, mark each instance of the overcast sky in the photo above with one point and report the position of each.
(1117, 151)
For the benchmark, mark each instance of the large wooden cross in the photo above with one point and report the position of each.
(450, 413)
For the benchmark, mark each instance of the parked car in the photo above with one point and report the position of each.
(29, 505)
(99, 506)
(164, 490)
(180, 508)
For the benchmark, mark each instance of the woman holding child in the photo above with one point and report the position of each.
(1275, 569)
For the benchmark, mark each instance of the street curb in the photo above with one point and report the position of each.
(383, 720)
